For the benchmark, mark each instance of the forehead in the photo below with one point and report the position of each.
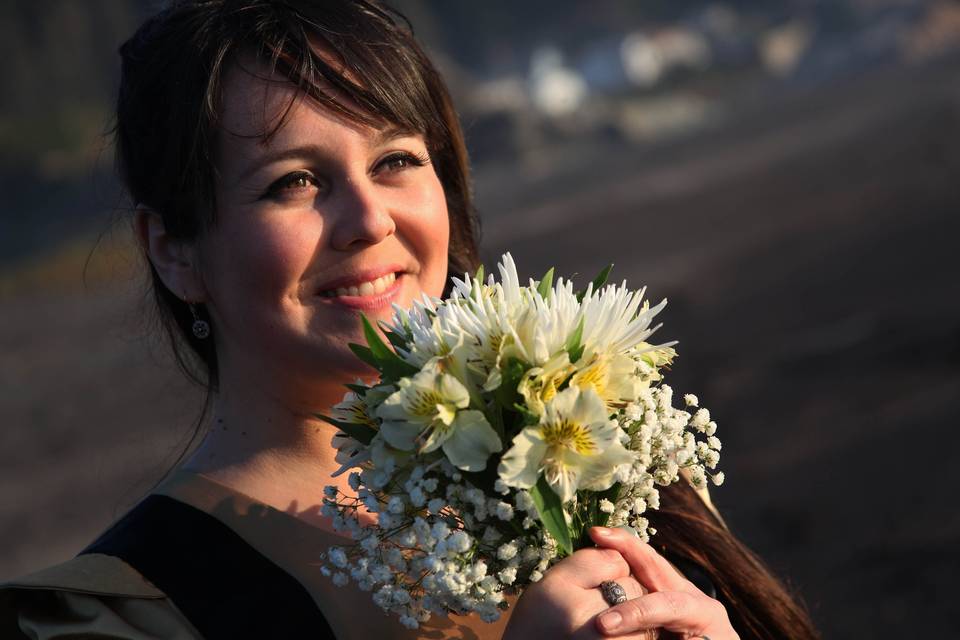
(258, 104)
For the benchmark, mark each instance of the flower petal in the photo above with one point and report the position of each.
(563, 476)
(453, 391)
(401, 434)
(471, 441)
(520, 466)
(598, 470)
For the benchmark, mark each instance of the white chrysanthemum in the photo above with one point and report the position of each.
(429, 411)
(574, 444)
(504, 319)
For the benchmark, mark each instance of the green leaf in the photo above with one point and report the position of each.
(601, 278)
(546, 284)
(494, 415)
(390, 364)
(575, 343)
(365, 354)
(397, 340)
(479, 275)
(358, 432)
(529, 417)
(511, 373)
(551, 514)
(598, 282)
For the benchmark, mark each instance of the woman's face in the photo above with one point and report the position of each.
(323, 220)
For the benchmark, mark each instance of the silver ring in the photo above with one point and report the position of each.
(612, 592)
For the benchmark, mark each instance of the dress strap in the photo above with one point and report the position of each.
(225, 587)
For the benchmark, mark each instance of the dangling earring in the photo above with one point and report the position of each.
(201, 328)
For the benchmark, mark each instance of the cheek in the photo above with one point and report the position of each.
(430, 236)
(261, 260)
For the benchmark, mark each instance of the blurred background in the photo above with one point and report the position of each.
(785, 173)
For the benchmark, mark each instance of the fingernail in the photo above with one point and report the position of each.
(602, 531)
(610, 621)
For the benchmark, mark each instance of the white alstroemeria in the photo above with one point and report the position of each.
(353, 409)
(649, 360)
(356, 409)
(612, 376)
(539, 385)
(350, 453)
(575, 445)
(375, 396)
(429, 411)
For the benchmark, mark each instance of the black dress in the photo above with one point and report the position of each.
(224, 587)
(192, 560)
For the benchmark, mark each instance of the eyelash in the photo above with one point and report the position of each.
(287, 181)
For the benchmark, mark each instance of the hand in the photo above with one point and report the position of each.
(565, 602)
(673, 604)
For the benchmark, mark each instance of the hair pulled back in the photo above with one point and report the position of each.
(168, 111)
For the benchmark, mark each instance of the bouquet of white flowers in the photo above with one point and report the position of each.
(506, 421)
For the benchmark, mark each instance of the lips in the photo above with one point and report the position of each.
(369, 290)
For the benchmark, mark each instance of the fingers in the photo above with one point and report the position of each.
(647, 565)
(587, 568)
(675, 611)
(630, 584)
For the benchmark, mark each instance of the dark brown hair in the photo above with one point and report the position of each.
(167, 121)
(758, 604)
(168, 109)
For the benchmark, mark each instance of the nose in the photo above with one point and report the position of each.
(364, 217)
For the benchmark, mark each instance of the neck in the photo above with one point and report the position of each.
(269, 445)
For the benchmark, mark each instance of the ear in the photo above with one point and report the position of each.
(176, 260)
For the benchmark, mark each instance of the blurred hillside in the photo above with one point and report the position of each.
(526, 76)
(59, 65)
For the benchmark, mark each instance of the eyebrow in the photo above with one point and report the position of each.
(380, 138)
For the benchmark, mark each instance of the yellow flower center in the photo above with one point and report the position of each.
(566, 433)
(358, 414)
(424, 403)
(593, 376)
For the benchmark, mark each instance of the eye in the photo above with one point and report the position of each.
(293, 184)
(402, 160)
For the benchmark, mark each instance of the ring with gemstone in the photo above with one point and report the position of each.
(613, 592)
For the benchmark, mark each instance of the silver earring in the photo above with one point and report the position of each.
(201, 328)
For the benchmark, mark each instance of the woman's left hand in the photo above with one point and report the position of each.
(566, 601)
(674, 603)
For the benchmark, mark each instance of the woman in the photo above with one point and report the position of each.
(291, 164)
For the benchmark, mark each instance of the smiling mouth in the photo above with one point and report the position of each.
(364, 289)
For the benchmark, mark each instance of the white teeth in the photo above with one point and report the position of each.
(370, 288)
